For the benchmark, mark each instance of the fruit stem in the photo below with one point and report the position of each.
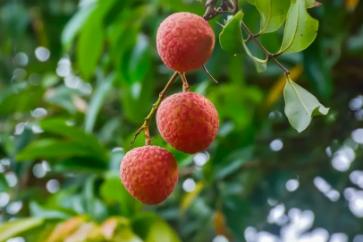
(147, 135)
(145, 125)
(184, 80)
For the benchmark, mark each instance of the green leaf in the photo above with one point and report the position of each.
(90, 44)
(59, 127)
(311, 3)
(317, 69)
(72, 143)
(63, 97)
(97, 100)
(232, 163)
(261, 64)
(19, 98)
(16, 227)
(75, 24)
(230, 37)
(52, 149)
(125, 234)
(231, 40)
(138, 62)
(93, 205)
(161, 232)
(300, 28)
(127, 203)
(37, 210)
(273, 14)
(301, 105)
(229, 98)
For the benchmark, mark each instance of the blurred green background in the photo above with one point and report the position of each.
(78, 77)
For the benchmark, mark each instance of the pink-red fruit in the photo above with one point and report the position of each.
(188, 121)
(185, 41)
(149, 173)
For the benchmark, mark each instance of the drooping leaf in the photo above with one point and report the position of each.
(90, 44)
(52, 148)
(261, 64)
(59, 127)
(75, 24)
(138, 61)
(300, 28)
(276, 91)
(16, 227)
(72, 143)
(230, 37)
(273, 14)
(301, 106)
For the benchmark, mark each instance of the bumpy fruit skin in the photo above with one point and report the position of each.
(149, 173)
(188, 121)
(185, 41)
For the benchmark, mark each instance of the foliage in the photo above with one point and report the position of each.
(77, 80)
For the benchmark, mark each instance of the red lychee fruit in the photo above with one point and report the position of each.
(149, 173)
(185, 41)
(188, 121)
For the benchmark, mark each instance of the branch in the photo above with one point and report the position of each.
(212, 10)
(145, 125)
(269, 55)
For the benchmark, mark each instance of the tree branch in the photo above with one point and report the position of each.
(212, 10)
(269, 55)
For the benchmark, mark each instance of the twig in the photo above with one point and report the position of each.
(145, 125)
(269, 55)
(227, 6)
(209, 74)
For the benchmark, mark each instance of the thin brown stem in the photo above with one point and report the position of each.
(184, 80)
(209, 74)
(147, 135)
(253, 37)
(145, 125)
(268, 54)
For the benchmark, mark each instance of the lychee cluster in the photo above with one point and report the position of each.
(187, 121)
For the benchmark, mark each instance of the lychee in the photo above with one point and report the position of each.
(185, 41)
(188, 121)
(149, 173)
